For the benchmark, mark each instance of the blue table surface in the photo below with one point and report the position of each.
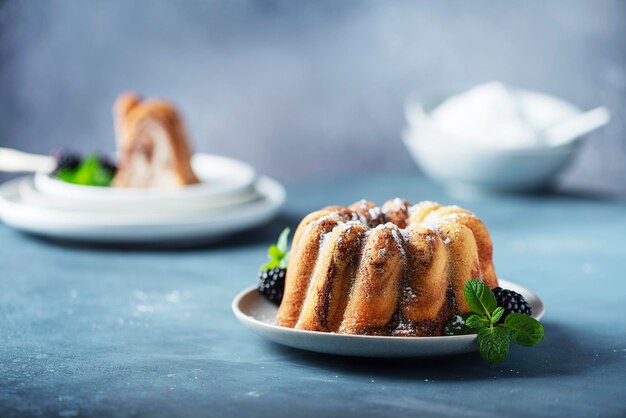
(149, 332)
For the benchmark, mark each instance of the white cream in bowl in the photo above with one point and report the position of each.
(494, 116)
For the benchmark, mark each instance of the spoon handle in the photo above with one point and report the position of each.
(578, 126)
(12, 160)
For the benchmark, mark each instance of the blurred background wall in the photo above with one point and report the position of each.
(302, 89)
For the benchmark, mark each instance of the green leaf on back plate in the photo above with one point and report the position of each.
(457, 326)
(523, 329)
(497, 314)
(476, 321)
(479, 297)
(90, 172)
(493, 344)
(65, 175)
(282, 240)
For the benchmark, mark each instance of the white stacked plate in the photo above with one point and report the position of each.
(231, 197)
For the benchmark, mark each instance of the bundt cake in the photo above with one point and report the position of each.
(152, 144)
(391, 270)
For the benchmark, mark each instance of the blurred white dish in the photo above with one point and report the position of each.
(154, 226)
(474, 163)
(258, 314)
(183, 204)
(476, 169)
(220, 176)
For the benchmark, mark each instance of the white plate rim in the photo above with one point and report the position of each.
(253, 323)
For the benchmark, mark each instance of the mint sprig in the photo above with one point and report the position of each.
(493, 338)
(278, 254)
(90, 172)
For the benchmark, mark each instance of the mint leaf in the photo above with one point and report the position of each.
(524, 330)
(65, 175)
(476, 321)
(479, 297)
(457, 325)
(284, 261)
(270, 265)
(494, 338)
(274, 252)
(493, 344)
(282, 240)
(497, 314)
(278, 254)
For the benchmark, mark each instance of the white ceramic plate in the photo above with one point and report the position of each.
(152, 226)
(220, 176)
(183, 205)
(257, 313)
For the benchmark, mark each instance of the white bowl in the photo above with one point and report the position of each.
(460, 165)
(479, 169)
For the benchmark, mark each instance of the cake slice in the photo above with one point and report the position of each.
(152, 144)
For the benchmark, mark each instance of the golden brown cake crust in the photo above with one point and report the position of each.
(152, 143)
(391, 270)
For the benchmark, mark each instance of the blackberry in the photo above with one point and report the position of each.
(512, 302)
(272, 284)
(107, 163)
(272, 276)
(66, 160)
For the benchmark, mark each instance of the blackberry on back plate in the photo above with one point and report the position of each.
(271, 282)
(107, 163)
(66, 160)
(511, 302)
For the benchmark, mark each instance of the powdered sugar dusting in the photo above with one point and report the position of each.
(394, 205)
(455, 216)
(421, 204)
(430, 226)
(357, 217)
(408, 294)
(375, 212)
(395, 233)
(433, 221)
